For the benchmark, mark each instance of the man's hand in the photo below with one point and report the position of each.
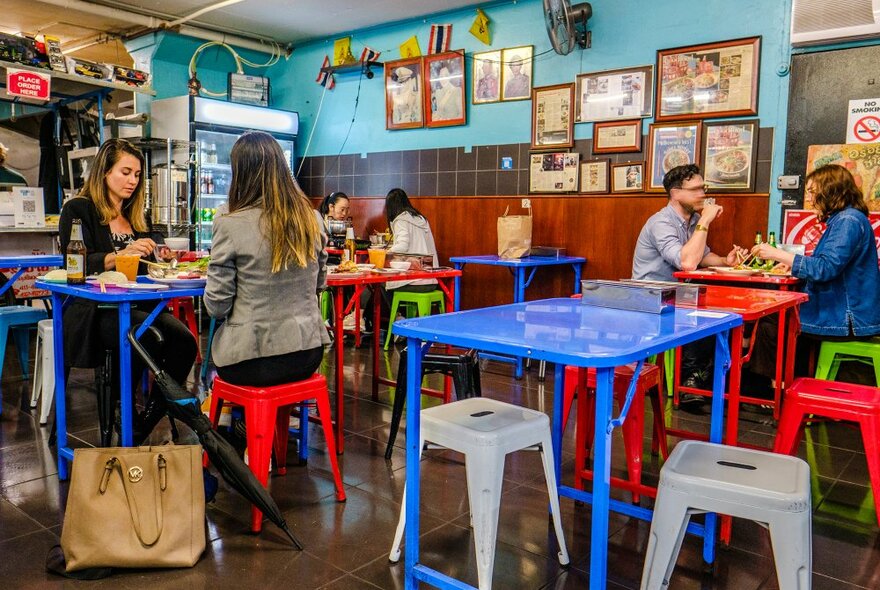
(709, 213)
(736, 255)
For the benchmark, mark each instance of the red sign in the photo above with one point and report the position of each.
(867, 129)
(802, 227)
(27, 84)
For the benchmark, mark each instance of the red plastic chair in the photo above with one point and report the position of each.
(839, 401)
(183, 310)
(583, 383)
(267, 417)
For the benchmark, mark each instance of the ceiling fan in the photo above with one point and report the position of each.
(567, 24)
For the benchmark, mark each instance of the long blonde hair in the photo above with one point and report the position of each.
(262, 178)
(96, 185)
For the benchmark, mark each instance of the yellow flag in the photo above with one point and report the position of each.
(342, 51)
(410, 48)
(480, 28)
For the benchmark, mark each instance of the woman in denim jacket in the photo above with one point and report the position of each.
(842, 277)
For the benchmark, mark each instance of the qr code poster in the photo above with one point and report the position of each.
(802, 227)
(27, 206)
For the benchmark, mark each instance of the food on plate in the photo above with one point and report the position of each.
(731, 162)
(112, 277)
(196, 269)
(675, 157)
(59, 274)
(778, 271)
(347, 266)
(683, 87)
(706, 80)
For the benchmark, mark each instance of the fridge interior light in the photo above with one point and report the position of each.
(227, 113)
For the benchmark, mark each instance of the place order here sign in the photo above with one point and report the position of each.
(863, 121)
(27, 84)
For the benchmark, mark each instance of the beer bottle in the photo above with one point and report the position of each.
(772, 239)
(350, 246)
(759, 239)
(75, 256)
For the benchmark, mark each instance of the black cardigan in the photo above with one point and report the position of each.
(82, 343)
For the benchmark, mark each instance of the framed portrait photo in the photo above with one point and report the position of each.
(595, 177)
(404, 94)
(516, 72)
(709, 80)
(628, 177)
(730, 151)
(614, 137)
(552, 123)
(486, 77)
(671, 145)
(613, 95)
(444, 89)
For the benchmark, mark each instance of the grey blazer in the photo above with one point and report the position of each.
(266, 313)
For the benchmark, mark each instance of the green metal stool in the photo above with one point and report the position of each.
(422, 301)
(326, 303)
(832, 353)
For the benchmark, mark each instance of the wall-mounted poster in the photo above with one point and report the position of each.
(628, 177)
(445, 101)
(862, 160)
(671, 145)
(730, 149)
(710, 80)
(404, 96)
(615, 94)
(552, 124)
(486, 77)
(614, 137)
(516, 72)
(553, 172)
(595, 176)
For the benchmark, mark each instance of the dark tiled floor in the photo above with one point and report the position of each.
(347, 544)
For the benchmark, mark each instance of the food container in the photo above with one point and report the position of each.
(618, 295)
(417, 261)
(685, 293)
(547, 251)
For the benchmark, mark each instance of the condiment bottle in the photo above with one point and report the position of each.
(75, 257)
(350, 246)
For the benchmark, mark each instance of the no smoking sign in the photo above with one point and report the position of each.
(867, 129)
(863, 121)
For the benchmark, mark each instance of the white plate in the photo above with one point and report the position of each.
(385, 271)
(366, 266)
(729, 270)
(144, 286)
(94, 281)
(175, 282)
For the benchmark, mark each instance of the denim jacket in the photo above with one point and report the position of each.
(842, 279)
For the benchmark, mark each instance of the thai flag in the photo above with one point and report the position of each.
(440, 37)
(368, 55)
(325, 78)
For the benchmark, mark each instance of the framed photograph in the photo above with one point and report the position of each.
(671, 145)
(486, 77)
(711, 80)
(615, 94)
(404, 94)
(444, 98)
(730, 151)
(516, 72)
(617, 137)
(595, 177)
(628, 177)
(555, 172)
(552, 123)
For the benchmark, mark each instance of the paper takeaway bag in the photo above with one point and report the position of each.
(514, 235)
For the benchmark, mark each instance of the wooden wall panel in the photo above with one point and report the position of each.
(602, 228)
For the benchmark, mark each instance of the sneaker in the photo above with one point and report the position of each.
(691, 403)
(348, 323)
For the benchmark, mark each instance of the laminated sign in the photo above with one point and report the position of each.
(514, 235)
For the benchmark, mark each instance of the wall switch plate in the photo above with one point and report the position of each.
(526, 204)
(788, 183)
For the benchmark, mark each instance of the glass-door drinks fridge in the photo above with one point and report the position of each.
(213, 126)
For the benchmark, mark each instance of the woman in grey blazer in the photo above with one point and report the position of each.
(267, 264)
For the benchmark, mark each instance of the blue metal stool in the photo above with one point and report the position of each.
(19, 318)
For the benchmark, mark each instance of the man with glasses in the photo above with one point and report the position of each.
(674, 239)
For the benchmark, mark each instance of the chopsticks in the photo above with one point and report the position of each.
(745, 260)
(102, 285)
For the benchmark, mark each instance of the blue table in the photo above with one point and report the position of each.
(22, 263)
(61, 293)
(517, 267)
(567, 332)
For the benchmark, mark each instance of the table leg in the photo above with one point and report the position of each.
(377, 322)
(556, 430)
(457, 298)
(413, 425)
(125, 389)
(60, 387)
(734, 391)
(794, 325)
(779, 375)
(577, 277)
(722, 361)
(519, 295)
(338, 311)
(601, 478)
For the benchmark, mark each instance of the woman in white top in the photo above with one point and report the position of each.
(412, 235)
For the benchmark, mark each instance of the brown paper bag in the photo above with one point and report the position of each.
(514, 235)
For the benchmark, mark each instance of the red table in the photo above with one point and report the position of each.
(335, 282)
(364, 255)
(781, 282)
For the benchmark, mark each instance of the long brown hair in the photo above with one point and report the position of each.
(835, 189)
(96, 186)
(262, 178)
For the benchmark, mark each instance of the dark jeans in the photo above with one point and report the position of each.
(274, 370)
(698, 361)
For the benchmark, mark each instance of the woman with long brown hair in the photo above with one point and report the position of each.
(267, 264)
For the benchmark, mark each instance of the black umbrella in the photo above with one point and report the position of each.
(184, 406)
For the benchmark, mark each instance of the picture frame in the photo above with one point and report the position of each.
(709, 80)
(445, 103)
(552, 117)
(595, 177)
(486, 77)
(614, 95)
(617, 137)
(554, 172)
(730, 155)
(628, 177)
(517, 64)
(669, 145)
(404, 94)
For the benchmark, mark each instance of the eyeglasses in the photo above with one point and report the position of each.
(702, 187)
(810, 190)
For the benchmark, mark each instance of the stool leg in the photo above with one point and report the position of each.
(303, 433)
(189, 311)
(790, 429)
(476, 384)
(38, 374)
(791, 538)
(48, 380)
(214, 416)
(667, 532)
(394, 554)
(22, 343)
(323, 402)
(633, 427)
(459, 382)
(282, 435)
(395, 303)
(4, 335)
(569, 388)
(207, 358)
(399, 402)
(871, 436)
(484, 481)
(260, 428)
(553, 493)
(659, 441)
(826, 359)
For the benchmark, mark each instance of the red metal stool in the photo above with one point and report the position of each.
(840, 401)
(583, 381)
(267, 419)
(182, 308)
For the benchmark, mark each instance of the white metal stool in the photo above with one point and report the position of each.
(761, 486)
(486, 430)
(44, 370)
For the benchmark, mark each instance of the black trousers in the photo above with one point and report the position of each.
(274, 370)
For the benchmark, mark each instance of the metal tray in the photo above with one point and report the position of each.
(618, 295)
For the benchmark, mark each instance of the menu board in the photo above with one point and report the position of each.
(863, 161)
(553, 173)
